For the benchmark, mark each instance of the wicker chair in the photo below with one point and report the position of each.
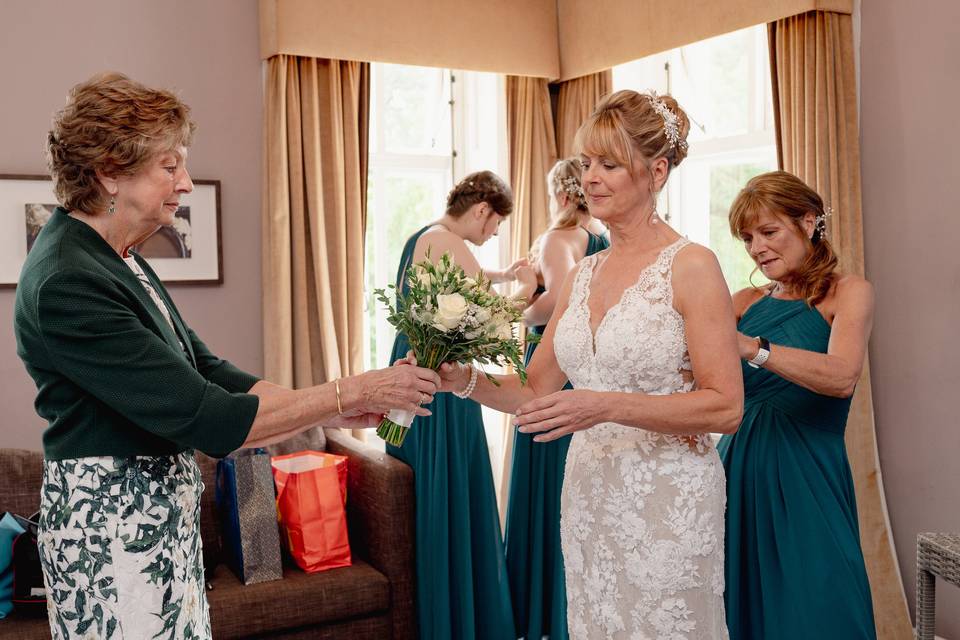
(938, 555)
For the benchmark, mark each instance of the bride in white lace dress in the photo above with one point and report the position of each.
(645, 331)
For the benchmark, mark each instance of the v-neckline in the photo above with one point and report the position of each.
(586, 297)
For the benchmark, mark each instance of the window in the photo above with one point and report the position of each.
(428, 128)
(724, 86)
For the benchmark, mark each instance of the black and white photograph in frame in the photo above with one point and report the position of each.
(187, 252)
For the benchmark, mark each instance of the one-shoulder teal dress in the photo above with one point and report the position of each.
(462, 588)
(534, 560)
(794, 567)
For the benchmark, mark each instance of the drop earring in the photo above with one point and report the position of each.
(112, 209)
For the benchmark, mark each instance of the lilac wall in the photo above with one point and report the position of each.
(910, 89)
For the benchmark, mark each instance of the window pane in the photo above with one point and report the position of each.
(404, 202)
(415, 112)
(725, 183)
(716, 81)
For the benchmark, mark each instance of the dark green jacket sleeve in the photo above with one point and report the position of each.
(218, 371)
(102, 346)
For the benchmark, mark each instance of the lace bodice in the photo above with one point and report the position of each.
(641, 512)
(639, 345)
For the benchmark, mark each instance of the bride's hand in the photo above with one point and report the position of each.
(559, 414)
(454, 376)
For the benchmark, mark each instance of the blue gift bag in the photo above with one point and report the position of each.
(247, 505)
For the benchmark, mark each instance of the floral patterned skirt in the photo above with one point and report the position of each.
(120, 547)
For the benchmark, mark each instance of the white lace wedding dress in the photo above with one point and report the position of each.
(641, 513)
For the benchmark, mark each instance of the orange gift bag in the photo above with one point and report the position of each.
(311, 501)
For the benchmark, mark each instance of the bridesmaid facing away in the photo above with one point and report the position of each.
(794, 567)
(534, 560)
(462, 587)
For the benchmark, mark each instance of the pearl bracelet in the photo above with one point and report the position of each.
(470, 385)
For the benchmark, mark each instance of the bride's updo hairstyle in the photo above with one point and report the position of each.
(482, 186)
(789, 198)
(627, 123)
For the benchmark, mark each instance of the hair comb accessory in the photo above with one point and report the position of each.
(671, 124)
(571, 186)
(821, 221)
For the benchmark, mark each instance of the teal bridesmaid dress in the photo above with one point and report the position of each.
(534, 560)
(794, 567)
(462, 588)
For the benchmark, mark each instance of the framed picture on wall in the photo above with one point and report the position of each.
(188, 252)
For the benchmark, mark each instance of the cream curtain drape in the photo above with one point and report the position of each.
(533, 141)
(815, 108)
(315, 141)
(576, 100)
(533, 150)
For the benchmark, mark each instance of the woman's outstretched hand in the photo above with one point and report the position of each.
(559, 414)
(406, 387)
(454, 376)
(510, 273)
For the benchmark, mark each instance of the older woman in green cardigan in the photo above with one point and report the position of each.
(128, 389)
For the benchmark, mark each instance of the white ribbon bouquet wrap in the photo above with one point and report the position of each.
(450, 317)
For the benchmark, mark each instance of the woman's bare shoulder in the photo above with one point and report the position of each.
(437, 240)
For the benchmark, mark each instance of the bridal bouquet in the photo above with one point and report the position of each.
(450, 317)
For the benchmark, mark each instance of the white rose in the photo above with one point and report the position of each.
(505, 331)
(482, 314)
(451, 308)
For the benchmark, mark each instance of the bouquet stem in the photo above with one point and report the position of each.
(394, 428)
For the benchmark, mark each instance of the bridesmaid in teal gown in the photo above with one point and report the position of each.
(534, 560)
(462, 588)
(794, 566)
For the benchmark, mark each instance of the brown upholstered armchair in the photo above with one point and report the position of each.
(371, 599)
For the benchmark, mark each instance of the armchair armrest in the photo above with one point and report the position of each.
(381, 521)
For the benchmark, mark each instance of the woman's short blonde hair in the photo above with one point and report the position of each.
(112, 125)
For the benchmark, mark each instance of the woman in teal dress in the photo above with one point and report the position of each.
(794, 567)
(534, 560)
(462, 587)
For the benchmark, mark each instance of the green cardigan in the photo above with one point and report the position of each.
(112, 378)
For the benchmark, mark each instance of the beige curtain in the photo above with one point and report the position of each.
(314, 198)
(815, 108)
(533, 150)
(576, 101)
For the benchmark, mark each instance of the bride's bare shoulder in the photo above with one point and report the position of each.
(693, 257)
